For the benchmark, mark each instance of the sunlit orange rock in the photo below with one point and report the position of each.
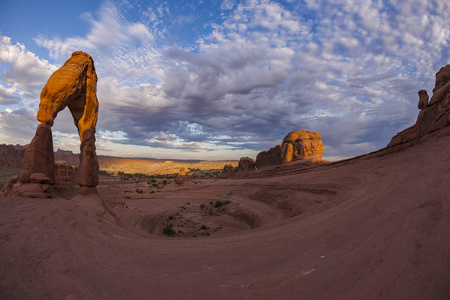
(246, 164)
(305, 144)
(300, 144)
(73, 85)
(181, 177)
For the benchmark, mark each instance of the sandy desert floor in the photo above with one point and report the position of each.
(376, 227)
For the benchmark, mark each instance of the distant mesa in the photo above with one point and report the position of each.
(74, 85)
(11, 156)
(434, 114)
(300, 144)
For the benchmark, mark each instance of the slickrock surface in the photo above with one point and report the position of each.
(371, 227)
(328, 233)
(246, 164)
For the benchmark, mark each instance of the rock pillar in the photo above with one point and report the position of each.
(39, 156)
(87, 176)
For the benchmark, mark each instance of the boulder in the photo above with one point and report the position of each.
(433, 116)
(300, 144)
(228, 169)
(6, 190)
(30, 190)
(65, 174)
(39, 178)
(246, 164)
(305, 145)
(182, 177)
(271, 157)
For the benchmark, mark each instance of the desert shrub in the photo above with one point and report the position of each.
(152, 192)
(202, 206)
(164, 182)
(218, 204)
(170, 217)
(204, 227)
(168, 231)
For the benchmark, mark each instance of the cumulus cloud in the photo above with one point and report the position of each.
(22, 70)
(7, 95)
(349, 70)
(17, 126)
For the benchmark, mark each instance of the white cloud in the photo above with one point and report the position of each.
(22, 70)
(349, 70)
(107, 33)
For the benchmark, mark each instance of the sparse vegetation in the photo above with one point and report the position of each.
(168, 230)
(218, 204)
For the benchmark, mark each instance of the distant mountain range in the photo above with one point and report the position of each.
(12, 155)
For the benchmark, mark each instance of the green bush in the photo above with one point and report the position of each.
(168, 231)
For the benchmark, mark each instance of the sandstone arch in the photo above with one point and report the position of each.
(74, 85)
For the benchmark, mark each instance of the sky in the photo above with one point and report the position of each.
(223, 79)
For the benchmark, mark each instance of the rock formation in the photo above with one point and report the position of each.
(271, 157)
(246, 164)
(74, 85)
(300, 144)
(181, 177)
(433, 115)
(228, 169)
(39, 157)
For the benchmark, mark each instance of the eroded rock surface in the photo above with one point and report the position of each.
(300, 144)
(182, 177)
(74, 85)
(39, 157)
(433, 116)
(246, 164)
